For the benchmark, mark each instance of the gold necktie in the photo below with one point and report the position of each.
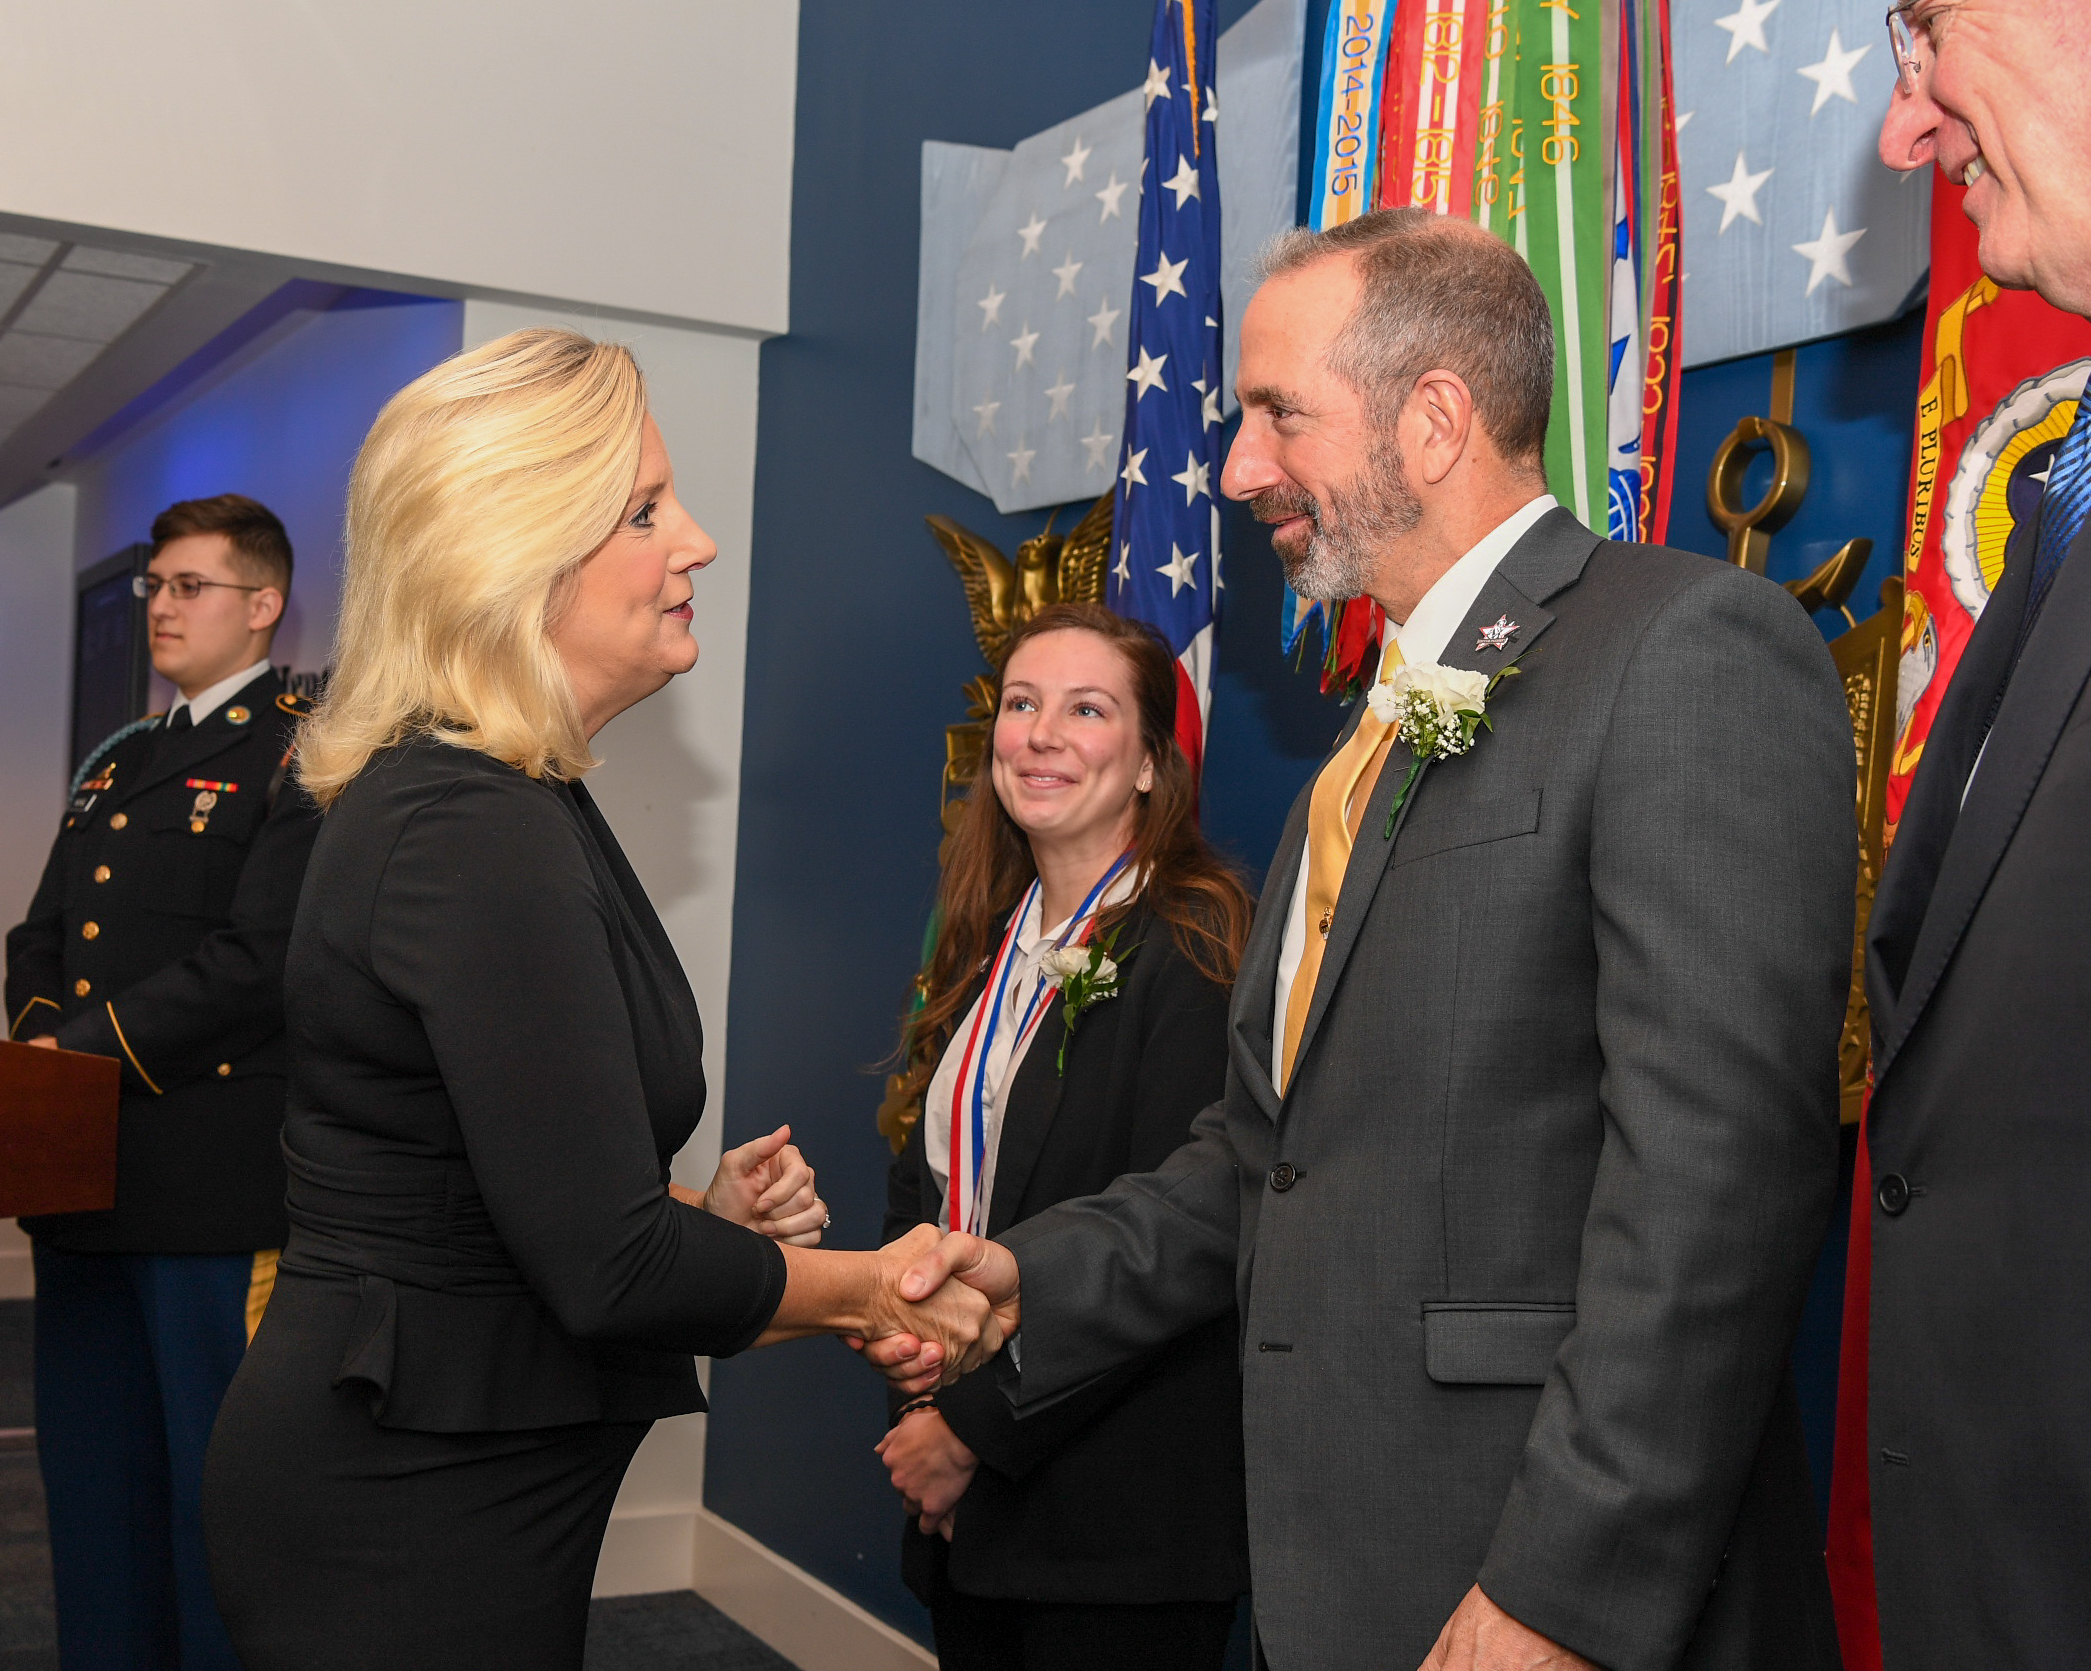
(1333, 816)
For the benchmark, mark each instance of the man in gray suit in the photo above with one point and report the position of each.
(1530, 1133)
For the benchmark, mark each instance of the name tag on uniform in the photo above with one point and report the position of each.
(89, 791)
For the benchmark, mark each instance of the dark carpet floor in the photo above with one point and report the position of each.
(677, 1631)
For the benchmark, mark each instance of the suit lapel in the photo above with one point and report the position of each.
(1550, 556)
(1933, 809)
(1027, 1119)
(1256, 986)
(2038, 701)
(174, 756)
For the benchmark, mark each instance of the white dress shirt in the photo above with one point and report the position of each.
(1004, 1056)
(1423, 637)
(207, 702)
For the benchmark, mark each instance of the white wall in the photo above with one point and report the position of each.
(670, 787)
(628, 154)
(629, 157)
(36, 612)
(36, 615)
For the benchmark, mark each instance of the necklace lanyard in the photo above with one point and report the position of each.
(969, 1096)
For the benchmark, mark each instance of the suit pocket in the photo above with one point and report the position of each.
(1496, 819)
(1493, 1343)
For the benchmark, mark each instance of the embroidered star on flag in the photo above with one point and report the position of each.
(1793, 228)
(1170, 558)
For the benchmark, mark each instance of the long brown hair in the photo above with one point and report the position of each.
(1189, 887)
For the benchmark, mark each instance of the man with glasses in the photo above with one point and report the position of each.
(1979, 956)
(157, 937)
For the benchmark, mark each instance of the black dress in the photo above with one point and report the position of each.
(487, 1294)
(1112, 1528)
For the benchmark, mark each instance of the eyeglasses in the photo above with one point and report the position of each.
(1903, 39)
(187, 588)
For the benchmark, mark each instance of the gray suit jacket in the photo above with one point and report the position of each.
(1557, 1155)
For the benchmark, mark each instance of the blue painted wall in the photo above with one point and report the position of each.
(862, 642)
(279, 419)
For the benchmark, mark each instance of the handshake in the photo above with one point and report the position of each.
(923, 1309)
(943, 1303)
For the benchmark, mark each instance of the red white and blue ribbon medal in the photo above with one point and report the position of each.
(969, 1094)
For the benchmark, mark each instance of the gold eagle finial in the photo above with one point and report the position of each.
(1049, 568)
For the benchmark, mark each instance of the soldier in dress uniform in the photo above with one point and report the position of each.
(157, 937)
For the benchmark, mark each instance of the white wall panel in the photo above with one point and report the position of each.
(629, 154)
(36, 612)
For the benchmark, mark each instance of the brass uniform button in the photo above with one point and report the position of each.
(81, 989)
(118, 822)
(237, 715)
(224, 1070)
(101, 873)
(89, 930)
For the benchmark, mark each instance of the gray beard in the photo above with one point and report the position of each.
(1351, 530)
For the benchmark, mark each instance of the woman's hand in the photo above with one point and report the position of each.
(931, 1468)
(948, 1329)
(911, 1364)
(767, 1186)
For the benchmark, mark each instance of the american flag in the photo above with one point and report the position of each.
(1166, 527)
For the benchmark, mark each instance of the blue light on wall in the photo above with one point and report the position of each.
(278, 415)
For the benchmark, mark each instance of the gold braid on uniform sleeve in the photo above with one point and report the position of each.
(14, 1030)
(128, 1051)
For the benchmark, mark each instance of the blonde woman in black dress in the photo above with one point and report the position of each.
(491, 1288)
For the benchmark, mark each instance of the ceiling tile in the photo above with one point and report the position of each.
(35, 251)
(112, 263)
(17, 404)
(40, 362)
(14, 279)
(87, 306)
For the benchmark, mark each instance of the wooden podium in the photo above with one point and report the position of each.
(57, 1131)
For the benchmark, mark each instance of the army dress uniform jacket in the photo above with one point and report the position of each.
(157, 937)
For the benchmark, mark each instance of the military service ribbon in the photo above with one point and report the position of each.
(1495, 110)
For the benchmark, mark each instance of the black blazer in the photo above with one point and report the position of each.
(1131, 1490)
(1979, 976)
(494, 1054)
(157, 936)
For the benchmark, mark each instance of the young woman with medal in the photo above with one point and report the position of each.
(1073, 1024)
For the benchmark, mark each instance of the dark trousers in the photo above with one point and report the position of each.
(986, 1633)
(134, 1351)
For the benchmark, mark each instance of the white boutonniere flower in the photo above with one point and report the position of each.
(1086, 976)
(1436, 711)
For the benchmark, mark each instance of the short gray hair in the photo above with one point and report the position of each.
(1439, 293)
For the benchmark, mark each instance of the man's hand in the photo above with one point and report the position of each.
(944, 1328)
(1480, 1636)
(44, 1041)
(913, 1365)
(931, 1468)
